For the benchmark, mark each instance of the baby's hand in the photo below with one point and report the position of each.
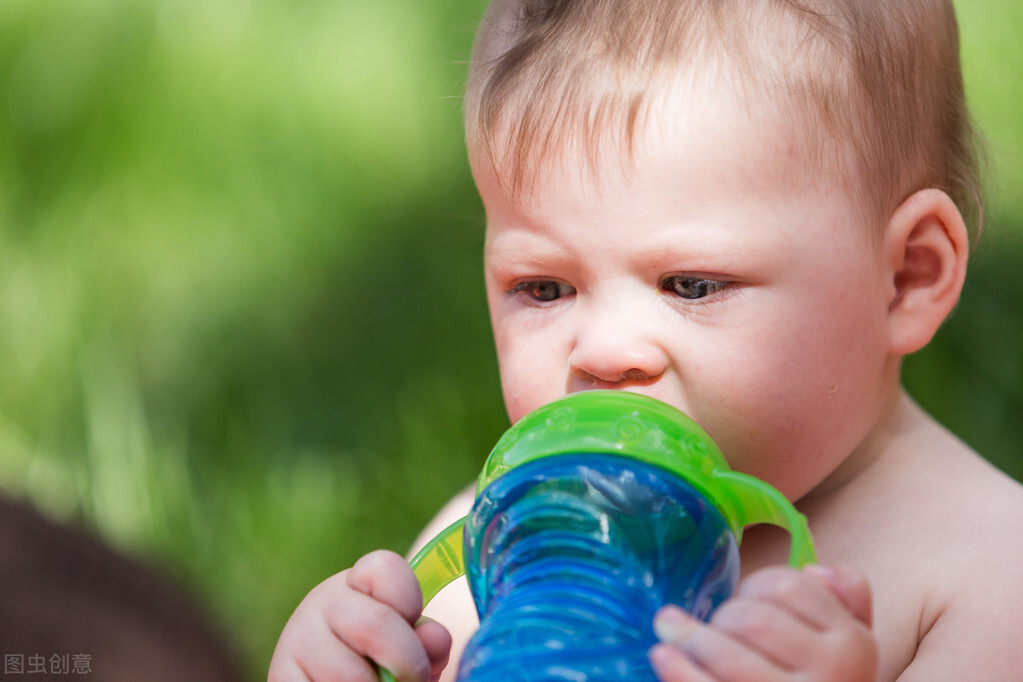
(371, 611)
(782, 624)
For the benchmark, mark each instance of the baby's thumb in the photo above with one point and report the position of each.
(850, 586)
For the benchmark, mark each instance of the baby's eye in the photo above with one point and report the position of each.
(543, 291)
(691, 287)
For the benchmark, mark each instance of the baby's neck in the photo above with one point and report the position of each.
(897, 416)
(862, 470)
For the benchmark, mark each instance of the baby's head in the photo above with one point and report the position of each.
(739, 207)
(872, 89)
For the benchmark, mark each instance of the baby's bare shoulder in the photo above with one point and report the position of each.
(960, 538)
(936, 529)
(959, 502)
(968, 576)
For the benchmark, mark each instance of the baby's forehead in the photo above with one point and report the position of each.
(755, 139)
(602, 106)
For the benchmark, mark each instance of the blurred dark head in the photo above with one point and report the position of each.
(66, 594)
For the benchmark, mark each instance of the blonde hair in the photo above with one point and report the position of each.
(877, 81)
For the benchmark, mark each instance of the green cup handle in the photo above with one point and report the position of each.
(440, 561)
(747, 501)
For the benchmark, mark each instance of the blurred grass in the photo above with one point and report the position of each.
(240, 321)
(242, 325)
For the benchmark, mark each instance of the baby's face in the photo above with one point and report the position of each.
(717, 274)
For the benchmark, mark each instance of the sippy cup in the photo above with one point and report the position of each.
(591, 513)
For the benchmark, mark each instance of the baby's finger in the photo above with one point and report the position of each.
(775, 633)
(671, 665)
(325, 659)
(827, 635)
(375, 630)
(387, 577)
(715, 652)
(309, 651)
(850, 586)
(437, 643)
(796, 591)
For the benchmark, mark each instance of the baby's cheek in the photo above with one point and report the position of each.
(527, 386)
(770, 428)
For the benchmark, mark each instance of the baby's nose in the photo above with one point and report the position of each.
(616, 346)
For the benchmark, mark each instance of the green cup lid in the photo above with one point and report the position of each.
(651, 431)
(628, 425)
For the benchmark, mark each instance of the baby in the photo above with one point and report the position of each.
(752, 210)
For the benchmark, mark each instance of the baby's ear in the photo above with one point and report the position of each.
(926, 246)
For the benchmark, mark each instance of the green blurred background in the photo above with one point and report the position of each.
(242, 327)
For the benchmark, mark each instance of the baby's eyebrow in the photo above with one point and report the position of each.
(524, 249)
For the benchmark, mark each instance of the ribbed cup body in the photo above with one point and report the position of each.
(569, 557)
